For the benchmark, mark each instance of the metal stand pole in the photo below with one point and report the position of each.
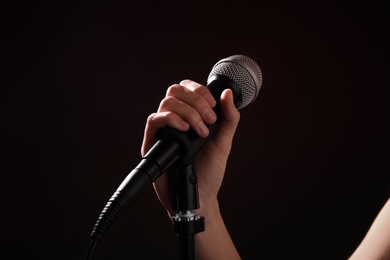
(186, 222)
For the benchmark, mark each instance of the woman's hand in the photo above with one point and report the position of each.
(190, 105)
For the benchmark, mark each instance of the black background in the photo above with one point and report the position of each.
(308, 172)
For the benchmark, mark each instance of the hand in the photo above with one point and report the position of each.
(186, 105)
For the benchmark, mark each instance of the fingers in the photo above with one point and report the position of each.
(159, 120)
(191, 102)
(199, 89)
(188, 104)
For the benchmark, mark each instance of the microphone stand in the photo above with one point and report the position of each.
(185, 197)
(185, 200)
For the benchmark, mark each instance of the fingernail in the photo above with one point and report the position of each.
(210, 115)
(203, 130)
(210, 99)
(184, 125)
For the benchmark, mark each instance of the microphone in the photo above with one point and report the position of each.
(239, 73)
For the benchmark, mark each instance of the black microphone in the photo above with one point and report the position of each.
(237, 72)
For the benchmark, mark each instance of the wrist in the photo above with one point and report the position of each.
(209, 210)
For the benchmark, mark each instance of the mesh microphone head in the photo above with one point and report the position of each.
(244, 72)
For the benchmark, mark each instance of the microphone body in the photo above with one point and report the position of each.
(173, 146)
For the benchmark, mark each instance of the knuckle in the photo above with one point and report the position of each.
(151, 118)
(167, 102)
(168, 118)
(173, 89)
(200, 89)
(160, 118)
(185, 82)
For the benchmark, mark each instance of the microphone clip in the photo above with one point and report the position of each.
(188, 223)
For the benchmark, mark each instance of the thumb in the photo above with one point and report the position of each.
(230, 116)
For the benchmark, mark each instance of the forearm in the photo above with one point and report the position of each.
(215, 242)
(376, 244)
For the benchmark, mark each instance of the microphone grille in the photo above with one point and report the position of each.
(244, 72)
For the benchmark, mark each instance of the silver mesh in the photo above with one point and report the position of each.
(244, 72)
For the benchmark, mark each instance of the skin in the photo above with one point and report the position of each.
(376, 243)
(189, 105)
